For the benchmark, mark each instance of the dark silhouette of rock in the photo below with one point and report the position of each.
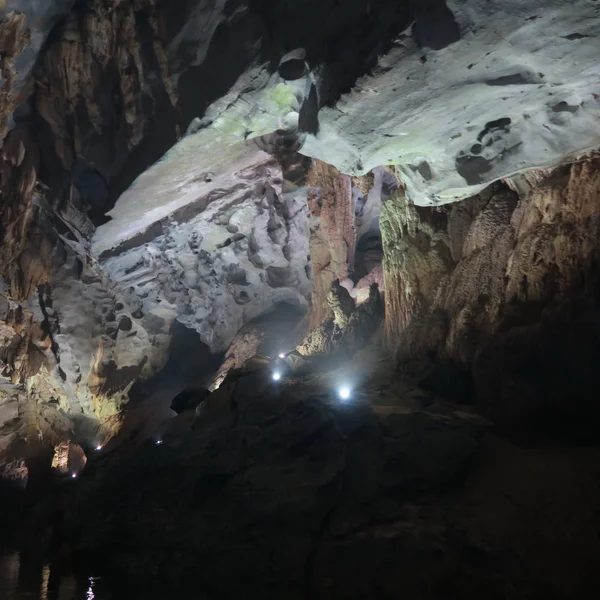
(188, 400)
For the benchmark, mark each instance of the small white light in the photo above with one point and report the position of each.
(344, 392)
(98, 448)
(73, 475)
(281, 355)
(158, 442)
(276, 376)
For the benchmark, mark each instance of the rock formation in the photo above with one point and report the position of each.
(488, 282)
(399, 198)
(302, 477)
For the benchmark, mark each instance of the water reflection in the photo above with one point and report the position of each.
(9, 574)
(45, 582)
(22, 578)
(90, 592)
(29, 580)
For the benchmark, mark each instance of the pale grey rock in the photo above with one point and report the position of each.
(207, 278)
(518, 88)
(9, 410)
(481, 91)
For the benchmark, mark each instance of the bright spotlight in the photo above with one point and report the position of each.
(73, 475)
(276, 376)
(98, 448)
(281, 355)
(158, 442)
(344, 392)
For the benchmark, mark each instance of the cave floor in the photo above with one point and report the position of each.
(285, 490)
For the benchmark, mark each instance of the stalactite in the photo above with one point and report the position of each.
(333, 237)
(401, 260)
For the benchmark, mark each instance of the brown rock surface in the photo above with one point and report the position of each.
(332, 237)
(507, 274)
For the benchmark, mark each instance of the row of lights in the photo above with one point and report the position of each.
(344, 391)
(99, 447)
(276, 375)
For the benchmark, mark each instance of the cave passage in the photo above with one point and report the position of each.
(299, 299)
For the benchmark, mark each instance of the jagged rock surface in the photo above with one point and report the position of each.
(228, 251)
(94, 141)
(305, 476)
(473, 92)
(274, 333)
(505, 279)
(24, 28)
(332, 233)
(465, 93)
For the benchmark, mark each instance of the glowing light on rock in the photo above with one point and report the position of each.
(276, 376)
(89, 595)
(98, 448)
(281, 355)
(344, 392)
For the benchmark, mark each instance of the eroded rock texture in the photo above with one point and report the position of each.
(274, 333)
(234, 246)
(69, 354)
(472, 92)
(503, 283)
(333, 234)
(303, 145)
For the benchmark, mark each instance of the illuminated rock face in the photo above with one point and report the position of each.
(474, 92)
(459, 95)
(60, 460)
(233, 247)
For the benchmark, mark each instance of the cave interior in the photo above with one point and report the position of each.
(299, 299)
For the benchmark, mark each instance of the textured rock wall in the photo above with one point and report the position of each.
(492, 283)
(100, 86)
(216, 270)
(69, 354)
(471, 92)
(24, 253)
(24, 27)
(332, 233)
(92, 93)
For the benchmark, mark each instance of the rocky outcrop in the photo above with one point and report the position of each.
(274, 333)
(499, 281)
(332, 234)
(310, 477)
(347, 330)
(24, 28)
(470, 94)
(286, 490)
(213, 251)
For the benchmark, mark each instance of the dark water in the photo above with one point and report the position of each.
(22, 578)
(32, 580)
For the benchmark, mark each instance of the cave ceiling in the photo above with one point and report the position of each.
(457, 94)
(466, 93)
